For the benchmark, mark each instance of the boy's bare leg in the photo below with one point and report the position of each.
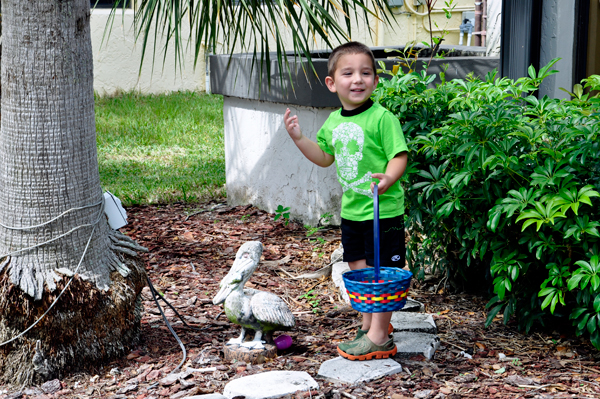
(375, 323)
(378, 333)
(367, 317)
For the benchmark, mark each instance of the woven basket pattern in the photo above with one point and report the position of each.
(386, 295)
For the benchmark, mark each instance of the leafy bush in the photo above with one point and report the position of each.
(500, 191)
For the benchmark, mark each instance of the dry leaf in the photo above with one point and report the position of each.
(188, 236)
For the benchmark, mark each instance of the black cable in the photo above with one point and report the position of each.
(154, 293)
(174, 310)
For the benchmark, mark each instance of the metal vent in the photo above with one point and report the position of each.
(395, 3)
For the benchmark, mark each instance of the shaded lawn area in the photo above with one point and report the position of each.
(161, 148)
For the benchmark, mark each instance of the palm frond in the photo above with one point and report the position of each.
(258, 27)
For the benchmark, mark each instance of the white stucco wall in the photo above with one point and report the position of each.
(558, 32)
(265, 168)
(494, 27)
(117, 60)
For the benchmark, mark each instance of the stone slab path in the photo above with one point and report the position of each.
(349, 372)
(413, 322)
(415, 343)
(270, 385)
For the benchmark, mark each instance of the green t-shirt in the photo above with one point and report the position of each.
(363, 141)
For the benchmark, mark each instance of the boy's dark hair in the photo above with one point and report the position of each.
(348, 48)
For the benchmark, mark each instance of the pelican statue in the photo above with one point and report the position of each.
(260, 311)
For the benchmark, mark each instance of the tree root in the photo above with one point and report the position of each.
(86, 326)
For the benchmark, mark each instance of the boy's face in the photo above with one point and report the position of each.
(354, 80)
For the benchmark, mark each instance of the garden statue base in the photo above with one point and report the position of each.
(249, 355)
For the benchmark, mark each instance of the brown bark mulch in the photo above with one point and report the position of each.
(191, 248)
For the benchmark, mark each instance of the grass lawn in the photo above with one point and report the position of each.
(155, 149)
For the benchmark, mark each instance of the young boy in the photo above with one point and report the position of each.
(367, 143)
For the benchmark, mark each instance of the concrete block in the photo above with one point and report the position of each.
(351, 372)
(271, 384)
(415, 343)
(337, 270)
(412, 306)
(413, 322)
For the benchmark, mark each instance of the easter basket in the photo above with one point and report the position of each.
(377, 289)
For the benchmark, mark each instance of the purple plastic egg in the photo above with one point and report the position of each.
(283, 342)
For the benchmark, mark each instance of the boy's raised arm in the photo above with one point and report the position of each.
(309, 148)
(394, 171)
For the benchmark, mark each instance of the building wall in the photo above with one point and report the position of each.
(266, 169)
(117, 58)
(558, 32)
(494, 27)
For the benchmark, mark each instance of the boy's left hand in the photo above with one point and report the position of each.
(393, 172)
(385, 182)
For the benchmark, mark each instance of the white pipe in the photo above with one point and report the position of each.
(415, 28)
(380, 35)
(435, 10)
(439, 30)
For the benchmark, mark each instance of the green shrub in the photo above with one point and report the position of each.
(500, 191)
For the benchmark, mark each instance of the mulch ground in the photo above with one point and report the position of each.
(191, 248)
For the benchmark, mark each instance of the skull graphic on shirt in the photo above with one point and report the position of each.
(348, 139)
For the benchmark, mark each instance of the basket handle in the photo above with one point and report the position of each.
(376, 231)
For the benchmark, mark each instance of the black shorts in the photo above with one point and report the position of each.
(357, 239)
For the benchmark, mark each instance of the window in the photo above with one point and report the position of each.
(109, 3)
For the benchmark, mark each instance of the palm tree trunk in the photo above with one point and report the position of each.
(51, 202)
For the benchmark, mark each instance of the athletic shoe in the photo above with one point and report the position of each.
(362, 332)
(364, 349)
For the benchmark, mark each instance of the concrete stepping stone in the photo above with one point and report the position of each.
(352, 372)
(270, 385)
(412, 306)
(415, 343)
(413, 322)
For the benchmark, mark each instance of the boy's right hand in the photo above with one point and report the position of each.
(291, 125)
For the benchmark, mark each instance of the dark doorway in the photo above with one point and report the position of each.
(520, 37)
(108, 3)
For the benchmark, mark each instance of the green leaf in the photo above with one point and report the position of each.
(531, 72)
(492, 314)
(546, 291)
(595, 339)
(591, 324)
(597, 304)
(576, 313)
(494, 221)
(578, 90)
(583, 322)
(574, 281)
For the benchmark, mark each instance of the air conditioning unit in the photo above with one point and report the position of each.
(395, 3)
(470, 15)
